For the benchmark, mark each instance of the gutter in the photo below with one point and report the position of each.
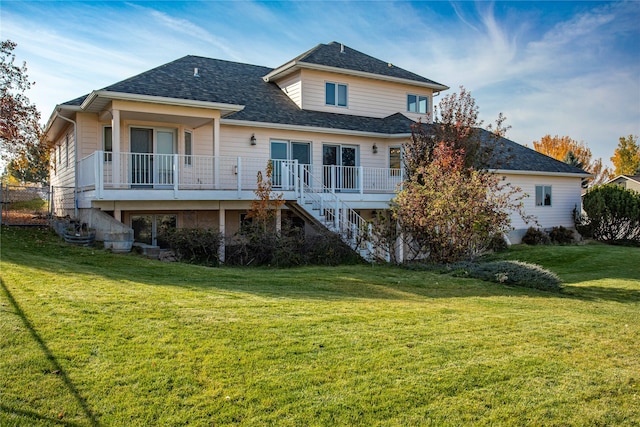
(75, 161)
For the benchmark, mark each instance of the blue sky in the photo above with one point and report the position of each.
(559, 68)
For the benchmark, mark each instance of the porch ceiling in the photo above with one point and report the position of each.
(192, 122)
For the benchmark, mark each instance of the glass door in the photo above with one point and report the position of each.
(340, 167)
(165, 148)
(141, 156)
(279, 153)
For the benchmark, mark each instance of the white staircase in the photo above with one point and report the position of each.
(323, 206)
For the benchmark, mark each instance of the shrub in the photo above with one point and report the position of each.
(561, 235)
(498, 243)
(512, 273)
(289, 248)
(612, 213)
(535, 236)
(193, 245)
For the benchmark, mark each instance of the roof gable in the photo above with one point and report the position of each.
(340, 58)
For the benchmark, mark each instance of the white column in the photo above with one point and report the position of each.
(115, 144)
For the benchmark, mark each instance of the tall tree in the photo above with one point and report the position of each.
(626, 158)
(20, 130)
(451, 205)
(575, 153)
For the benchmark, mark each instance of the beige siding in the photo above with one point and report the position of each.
(235, 142)
(292, 86)
(565, 193)
(63, 164)
(365, 97)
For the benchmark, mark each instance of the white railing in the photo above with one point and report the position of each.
(337, 215)
(105, 171)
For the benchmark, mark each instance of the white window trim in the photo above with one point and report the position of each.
(108, 154)
(418, 96)
(336, 94)
(542, 204)
(188, 157)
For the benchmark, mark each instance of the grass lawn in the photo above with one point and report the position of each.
(90, 338)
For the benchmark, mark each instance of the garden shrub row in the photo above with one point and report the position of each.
(558, 235)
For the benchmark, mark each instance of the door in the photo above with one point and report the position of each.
(283, 155)
(150, 228)
(141, 156)
(152, 164)
(340, 167)
(163, 171)
(279, 153)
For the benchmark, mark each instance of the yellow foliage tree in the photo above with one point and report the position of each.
(563, 147)
(626, 158)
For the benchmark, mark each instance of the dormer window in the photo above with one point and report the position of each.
(336, 94)
(417, 104)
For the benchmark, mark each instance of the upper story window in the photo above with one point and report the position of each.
(336, 94)
(543, 195)
(107, 142)
(417, 104)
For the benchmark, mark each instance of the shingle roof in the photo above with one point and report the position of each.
(338, 55)
(242, 84)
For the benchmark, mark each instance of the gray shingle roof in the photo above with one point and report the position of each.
(338, 55)
(242, 84)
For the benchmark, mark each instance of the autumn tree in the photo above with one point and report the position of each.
(451, 205)
(20, 131)
(626, 158)
(575, 153)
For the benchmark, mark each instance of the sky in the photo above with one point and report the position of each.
(558, 68)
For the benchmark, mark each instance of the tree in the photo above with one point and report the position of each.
(451, 205)
(612, 214)
(626, 158)
(20, 131)
(452, 212)
(575, 153)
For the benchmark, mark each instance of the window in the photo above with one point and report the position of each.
(187, 147)
(66, 148)
(417, 104)
(336, 94)
(543, 195)
(395, 161)
(107, 143)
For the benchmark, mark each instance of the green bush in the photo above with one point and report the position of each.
(289, 248)
(498, 243)
(512, 273)
(536, 236)
(612, 214)
(561, 235)
(194, 245)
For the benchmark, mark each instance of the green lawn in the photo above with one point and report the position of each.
(92, 338)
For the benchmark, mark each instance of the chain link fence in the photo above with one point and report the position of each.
(25, 205)
(34, 205)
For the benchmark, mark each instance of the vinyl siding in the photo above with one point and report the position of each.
(365, 97)
(565, 196)
(292, 86)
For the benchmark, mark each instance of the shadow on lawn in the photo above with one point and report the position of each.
(55, 367)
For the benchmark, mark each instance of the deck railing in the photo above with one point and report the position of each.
(106, 171)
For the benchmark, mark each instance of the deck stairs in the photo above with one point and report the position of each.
(323, 207)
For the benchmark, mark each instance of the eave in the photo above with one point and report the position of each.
(303, 128)
(97, 100)
(294, 66)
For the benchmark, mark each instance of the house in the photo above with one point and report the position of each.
(631, 182)
(180, 146)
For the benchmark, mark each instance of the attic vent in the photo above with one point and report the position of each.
(195, 72)
(341, 48)
(390, 64)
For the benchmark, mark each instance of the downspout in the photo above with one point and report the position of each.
(75, 159)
